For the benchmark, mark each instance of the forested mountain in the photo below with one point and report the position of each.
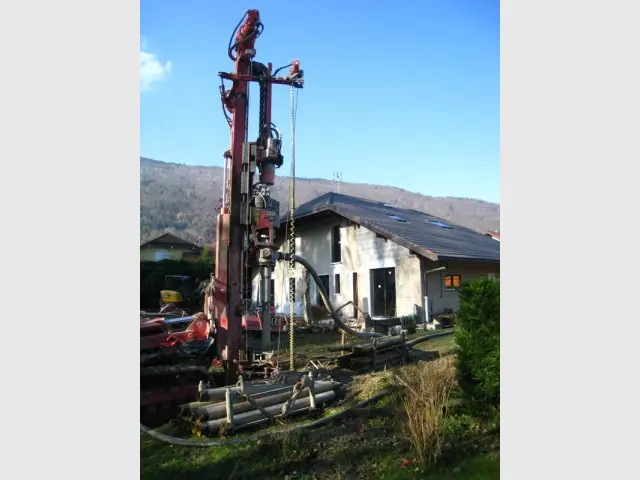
(182, 199)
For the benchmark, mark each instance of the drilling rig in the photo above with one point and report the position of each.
(245, 227)
(175, 353)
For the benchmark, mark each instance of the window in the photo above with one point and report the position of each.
(398, 218)
(336, 247)
(452, 281)
(161, 255)
(336, 284)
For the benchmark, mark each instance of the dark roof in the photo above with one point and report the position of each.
(429, 236)
(169, 238)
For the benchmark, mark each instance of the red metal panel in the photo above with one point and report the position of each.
(230, 321)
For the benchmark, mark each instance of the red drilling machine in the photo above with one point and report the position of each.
(175, 354)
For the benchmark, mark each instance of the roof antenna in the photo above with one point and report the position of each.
(337, 178)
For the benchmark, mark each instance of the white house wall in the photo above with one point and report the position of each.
(314, 244)
(373, 252)
(362, 251)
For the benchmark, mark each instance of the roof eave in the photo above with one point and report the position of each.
(179, 244)
(469, 259)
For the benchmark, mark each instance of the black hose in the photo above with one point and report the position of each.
(257, 32)
(416, 341)
(233, 34)
(325, 298)
(280, 69)
(261, 70)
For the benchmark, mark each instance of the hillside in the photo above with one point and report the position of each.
(181, 199)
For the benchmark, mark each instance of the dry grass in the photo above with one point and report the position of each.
(424, 392)
(367, 385)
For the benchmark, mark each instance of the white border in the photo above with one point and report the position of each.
(70, 196)
(569, 183)
(69, 111)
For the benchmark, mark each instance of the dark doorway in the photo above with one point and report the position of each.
(355, 295)
(384, 292)
(325, 281)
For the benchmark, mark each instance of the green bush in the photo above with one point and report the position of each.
(478, 346)
(152, 276)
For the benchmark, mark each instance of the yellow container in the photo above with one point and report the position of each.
(170, 296)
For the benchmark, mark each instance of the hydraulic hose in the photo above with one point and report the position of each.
(185, 442)
(325, 297)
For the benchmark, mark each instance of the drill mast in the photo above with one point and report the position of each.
(245, 226)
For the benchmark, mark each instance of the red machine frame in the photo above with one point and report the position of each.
(245, 226)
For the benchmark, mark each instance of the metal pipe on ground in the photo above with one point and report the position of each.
(218, 410)
(381, 344)
(368, 346)
(386, 348)
(218, 394)
(346, 346)
(364, 346)
(254, 387)
(187, 442)
(189, 408)
(213, 426)
(262, 421)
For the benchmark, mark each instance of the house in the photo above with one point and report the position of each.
(493, 234)
(168, 246)
(389, 261)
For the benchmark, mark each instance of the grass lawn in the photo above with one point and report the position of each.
(373, 448)
(357, 449)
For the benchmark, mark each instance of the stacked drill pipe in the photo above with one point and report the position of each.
(380, 352)
(372, 355)
(254, 403)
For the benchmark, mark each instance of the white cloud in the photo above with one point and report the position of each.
(152, 70)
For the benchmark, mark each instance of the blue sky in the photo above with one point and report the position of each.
(403, 93)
